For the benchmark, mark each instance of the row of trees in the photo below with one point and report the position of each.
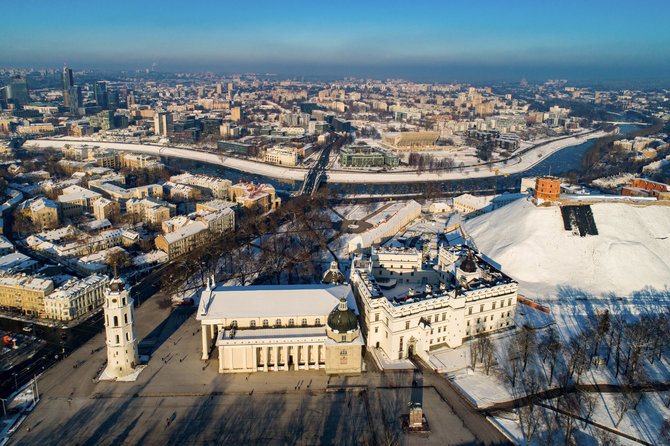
(430, 162)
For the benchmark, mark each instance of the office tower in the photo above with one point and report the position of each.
(18, 91)
(163, 123)
(112, 99)
(75, 99)
(101, 94)
(67, 81)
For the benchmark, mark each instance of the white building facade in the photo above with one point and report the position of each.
(274, 328)
(441, 305)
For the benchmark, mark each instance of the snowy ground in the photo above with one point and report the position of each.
(568, 318)
(629, 257)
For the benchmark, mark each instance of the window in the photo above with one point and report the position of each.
(444, 316)
(493, 306)
(502, 303)
(252, 324)
(125, 318)
(278, 322)
(407, 325)
(344, 338)
(429, 318)
(266, 323)
(376, 329)
(376, 317)
(485, 318)
(116, 322)
(509, 302)
(304, 321)
(127, 337)
(291, 322)
(317, 321)
(468, 324)
(124, 301)
(469, 311)
(117, 339)
(233, 324)
(481, 308)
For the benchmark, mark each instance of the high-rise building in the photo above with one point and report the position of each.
(236, 113)
(75, 99)
(67, 81)
(122, 356)
(163, 124)
(18, 91)
(112, 99)
(101, 94)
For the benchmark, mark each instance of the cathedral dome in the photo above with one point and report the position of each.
(342, 319)
(333, 275)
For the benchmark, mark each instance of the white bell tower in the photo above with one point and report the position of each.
(122, 357)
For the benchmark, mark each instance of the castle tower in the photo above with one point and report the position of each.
(122, 357)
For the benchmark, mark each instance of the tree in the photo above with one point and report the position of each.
(118, 259)
(526, 341)
(570, 404)
(602, 328)
(529, 415)
(578, 359)
(552, 347)
(623, 402)
(509, 368)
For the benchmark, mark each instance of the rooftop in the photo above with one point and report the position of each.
(267, 301)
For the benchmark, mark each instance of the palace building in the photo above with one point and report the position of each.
(283, 327)
(409, 306)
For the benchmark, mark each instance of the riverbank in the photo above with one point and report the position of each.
(515, 165)
(248, 166)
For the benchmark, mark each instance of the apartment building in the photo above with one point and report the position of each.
(24, 294)
(75, 298)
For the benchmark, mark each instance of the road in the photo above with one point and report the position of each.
(473, 419)
(311, 183)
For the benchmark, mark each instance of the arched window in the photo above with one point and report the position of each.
(127, 337)
(266, 323)
(125, 318)
(252, 324)
(291, 322)
(116, 322)
(304, 321)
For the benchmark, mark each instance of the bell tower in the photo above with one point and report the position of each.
(122, 356)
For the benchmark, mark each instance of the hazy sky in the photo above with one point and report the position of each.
(457, 39)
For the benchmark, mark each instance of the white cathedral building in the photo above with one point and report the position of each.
(122, 354)
(410, 306)
(283, 327)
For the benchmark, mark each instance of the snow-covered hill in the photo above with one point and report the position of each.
(630, 254)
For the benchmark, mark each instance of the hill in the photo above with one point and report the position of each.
(629, 254)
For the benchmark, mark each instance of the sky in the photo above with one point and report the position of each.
(427, 40)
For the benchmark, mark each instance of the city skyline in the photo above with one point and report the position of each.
(427, 41)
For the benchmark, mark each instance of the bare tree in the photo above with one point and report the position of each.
(552, 347)
(570, 404)
(526, 341)
(624, 401)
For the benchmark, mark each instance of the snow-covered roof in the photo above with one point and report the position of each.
(269, 301)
